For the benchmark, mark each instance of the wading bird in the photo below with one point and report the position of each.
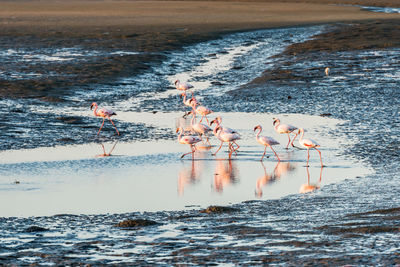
(309, 143)
(218, 121)
(225, 137)
(104, 113)
(327, 71)
(201, 110)
(266, 142)
(182, 86)
(284, 128)
(188, 140)
(199, 128)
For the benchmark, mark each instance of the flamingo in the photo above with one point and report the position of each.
(266, 142)
(201, 110)
(309, 143)
(104, 113)
(199, 128)
(284, 128)
(225, 137)
(218, 121)
(327, 71)
(182, 86)
(188, 140)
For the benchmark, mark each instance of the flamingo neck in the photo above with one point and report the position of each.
(259, 131)
(277, 124)
(180, 134)
(184, 98)
(301, 135)
(95, 110)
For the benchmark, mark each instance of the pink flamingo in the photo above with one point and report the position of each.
(309, 143)
(266, 142)
(218, 121)
(199, 128)
(104, 113)
(225, 137)
(182, 86)
(201, 110)
(188, 140)
(284, 128)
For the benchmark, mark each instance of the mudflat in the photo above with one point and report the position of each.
(122, 18)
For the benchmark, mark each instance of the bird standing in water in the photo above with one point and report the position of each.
(266, 142)
(284, 128)
(225, 137)
(309, 143)
(201, 110)
(104, 113)
(188, 140)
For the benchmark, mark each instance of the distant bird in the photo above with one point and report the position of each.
(188, 140)
(327, 71)
(266, 142)
(218, 121)
(199, 128)
(104, 113)
(182, 86)
(284, 128)
(201, 110)
(225, 137)
(309, 143)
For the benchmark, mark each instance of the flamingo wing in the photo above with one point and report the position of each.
(266, 140)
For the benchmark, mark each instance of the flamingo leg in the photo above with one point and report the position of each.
(237, 146)
(320, 157)
(230, 150)
(275, 153)
(112, 149)
(287, 146)
(208, 141)
(105, 154)
(202, 116)
(208, 123)
(218, 149)
(101, 127)
(113, 125)
(191, 152)
(294, 138)
(265, 151)
(308, 156)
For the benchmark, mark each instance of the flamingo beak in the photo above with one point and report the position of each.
(91, 107)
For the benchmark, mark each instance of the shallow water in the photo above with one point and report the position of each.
(360, 146)
(148, 176)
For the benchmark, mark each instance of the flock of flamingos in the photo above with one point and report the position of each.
(197, 130)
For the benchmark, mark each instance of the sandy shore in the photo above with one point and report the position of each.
(124, 18)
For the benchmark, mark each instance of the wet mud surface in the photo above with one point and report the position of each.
(353, 222)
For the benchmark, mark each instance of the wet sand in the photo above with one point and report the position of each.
(140, 26)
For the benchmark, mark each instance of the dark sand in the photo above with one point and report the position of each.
(147, 26)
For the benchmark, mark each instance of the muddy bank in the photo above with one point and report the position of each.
(380, 34)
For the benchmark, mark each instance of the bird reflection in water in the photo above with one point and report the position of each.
(226, 173)
(191, 175)
(281, 169)
(105, 154)
(307, 188)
